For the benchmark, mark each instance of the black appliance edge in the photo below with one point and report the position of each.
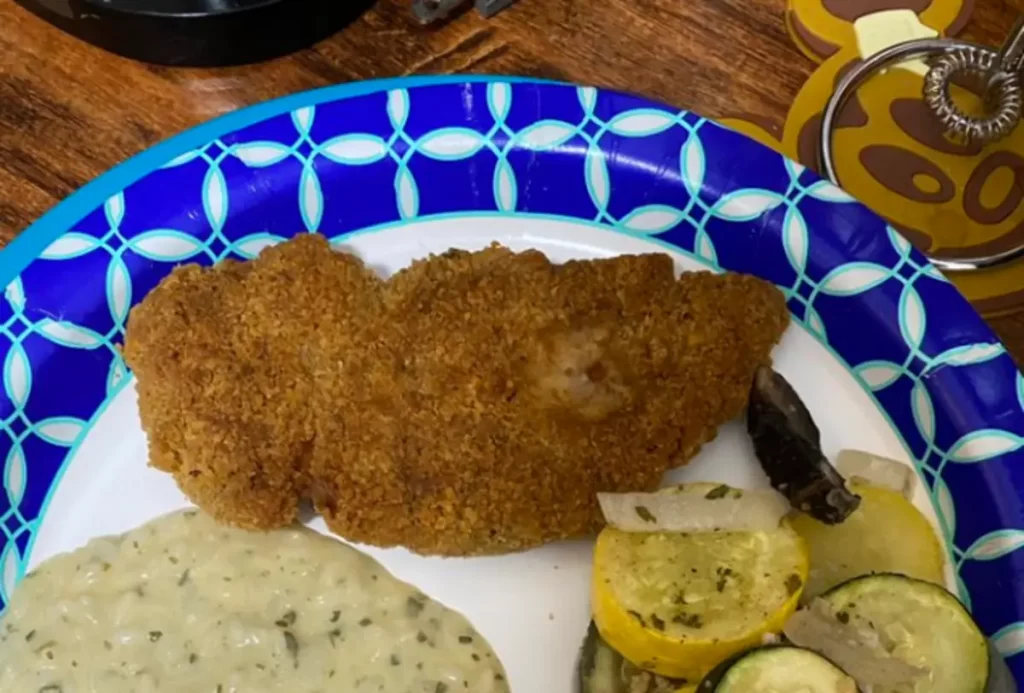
(254, 33)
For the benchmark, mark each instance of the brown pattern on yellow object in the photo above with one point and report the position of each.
(821, 28)
(807, 146)
(915, 118)
(973, 204)
(948, 198)
(964, 198)
(985, 209)
(997, 245)
(960, 21)
(853, 115)
(899, 169)
(850, 11)
(813, 46)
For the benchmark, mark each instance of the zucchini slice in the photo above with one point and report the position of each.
(778, 669)
(1000, 678)
(603, 670)
(919, 623)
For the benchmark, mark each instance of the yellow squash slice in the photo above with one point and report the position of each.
(886, 534)
(679, 604)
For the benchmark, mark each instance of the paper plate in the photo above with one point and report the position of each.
(887, 353)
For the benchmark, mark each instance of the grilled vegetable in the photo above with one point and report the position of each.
(885, 534)
(788, 446)
(853, 647)
(603, 670)
(778, 669)
(678, 604)
(875, 470)
(1000, 678)
(720, 509)
(916, 622)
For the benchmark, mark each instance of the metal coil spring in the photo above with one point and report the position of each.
(1002, 91)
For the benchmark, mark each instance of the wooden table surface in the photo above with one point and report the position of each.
(69, 111)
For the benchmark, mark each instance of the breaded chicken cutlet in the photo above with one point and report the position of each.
(474, 403)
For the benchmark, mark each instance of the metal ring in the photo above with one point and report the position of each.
(847, 86)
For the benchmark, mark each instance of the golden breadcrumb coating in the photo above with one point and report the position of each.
(222, 362)
(475, 403)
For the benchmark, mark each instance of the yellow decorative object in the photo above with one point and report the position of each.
(948, 198)
(820, 28)
(881, 30)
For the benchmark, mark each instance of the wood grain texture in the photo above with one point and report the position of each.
(69, 111)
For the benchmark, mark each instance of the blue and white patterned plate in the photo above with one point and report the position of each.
(889, 356)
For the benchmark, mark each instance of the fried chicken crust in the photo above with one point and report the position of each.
(225, 362)
(475, 403)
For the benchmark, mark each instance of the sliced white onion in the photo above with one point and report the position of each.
(856, 651)
(877, 471)
(713, 508)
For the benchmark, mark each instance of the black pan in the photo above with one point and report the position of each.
(199, 32)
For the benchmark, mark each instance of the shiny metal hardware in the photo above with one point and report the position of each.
(998, 72)
(429, 11)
